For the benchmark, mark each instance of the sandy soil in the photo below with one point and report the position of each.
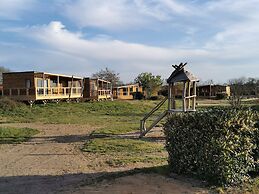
(143, 184)
(51, 162)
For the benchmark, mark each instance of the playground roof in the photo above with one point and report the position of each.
(181, 75)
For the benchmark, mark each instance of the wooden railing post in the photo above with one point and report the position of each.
(194, 93)
(184, 97)
(189, 94)
(170, 97)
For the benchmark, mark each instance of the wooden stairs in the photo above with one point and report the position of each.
(143, 129)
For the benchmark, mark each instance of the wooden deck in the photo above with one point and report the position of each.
(97, 89)
(33, 86)
(25, 94)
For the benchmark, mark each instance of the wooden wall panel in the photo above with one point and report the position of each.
(17, 80)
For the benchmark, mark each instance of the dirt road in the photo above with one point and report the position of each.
(51, 162)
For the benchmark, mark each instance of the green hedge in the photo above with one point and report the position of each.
(217, 145)
(256, 151)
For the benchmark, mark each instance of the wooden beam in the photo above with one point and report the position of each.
(170, 96)
(173, 95)
(71, 88)
(194, 94)
(183, 97)
(44, 87)
(189, 94)
(58, 84)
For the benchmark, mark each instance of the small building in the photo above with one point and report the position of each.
(34, 86)
(211, 91)
(126, 92)
(185, 82)
(97, 89)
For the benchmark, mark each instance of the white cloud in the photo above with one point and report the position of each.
(55, 35)
(121, 14)
(104, 14)
(238, 38)
(221, 37)
(128, 58)
(11, 9)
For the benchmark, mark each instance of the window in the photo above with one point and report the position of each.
(40, 83)
(125, 92)
(131, 90)
(53, 83)
(28, 83)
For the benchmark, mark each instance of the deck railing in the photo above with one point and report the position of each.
(39, 91)
(59, 91)
(104, 92)
(19, 92)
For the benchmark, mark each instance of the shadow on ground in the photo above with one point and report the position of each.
(80, 138)
(52, 184)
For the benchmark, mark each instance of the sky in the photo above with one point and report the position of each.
(218, 38)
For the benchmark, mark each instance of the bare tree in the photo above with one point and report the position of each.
(2, 70)
(207, 82)
(108, 75)
(238, 90)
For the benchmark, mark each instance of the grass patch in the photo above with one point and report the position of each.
(121, 145)
(16, 135)
(122, 151)
(117, 129)
(79, 113)
(117, 117)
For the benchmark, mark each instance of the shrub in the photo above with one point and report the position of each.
(138, 95)
(217, 145)
(256, 151)
(7, 104)
(159, 97)
(221, 96)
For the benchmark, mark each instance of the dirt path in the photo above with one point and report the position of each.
(141, 184)
(54, 151)
(51, 162)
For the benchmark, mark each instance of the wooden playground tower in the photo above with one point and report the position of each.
(188, 83)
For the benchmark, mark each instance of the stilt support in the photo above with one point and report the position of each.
(31, 102)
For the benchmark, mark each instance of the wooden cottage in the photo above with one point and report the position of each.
(97, 89)
(41, 86)
(212, 91)
(126, 92)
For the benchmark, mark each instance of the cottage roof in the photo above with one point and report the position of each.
(45, 73)
(180, 74)
(129, 85)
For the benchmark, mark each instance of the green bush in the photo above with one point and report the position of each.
(138, 95)
(217, 145)
(221, 96)
(256, 151)
(7, 104)
(159, 97)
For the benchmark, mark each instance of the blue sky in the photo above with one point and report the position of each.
(218, 38)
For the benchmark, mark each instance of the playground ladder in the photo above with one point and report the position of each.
(144, 130)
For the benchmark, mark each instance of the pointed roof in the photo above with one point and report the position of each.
(180, 74)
